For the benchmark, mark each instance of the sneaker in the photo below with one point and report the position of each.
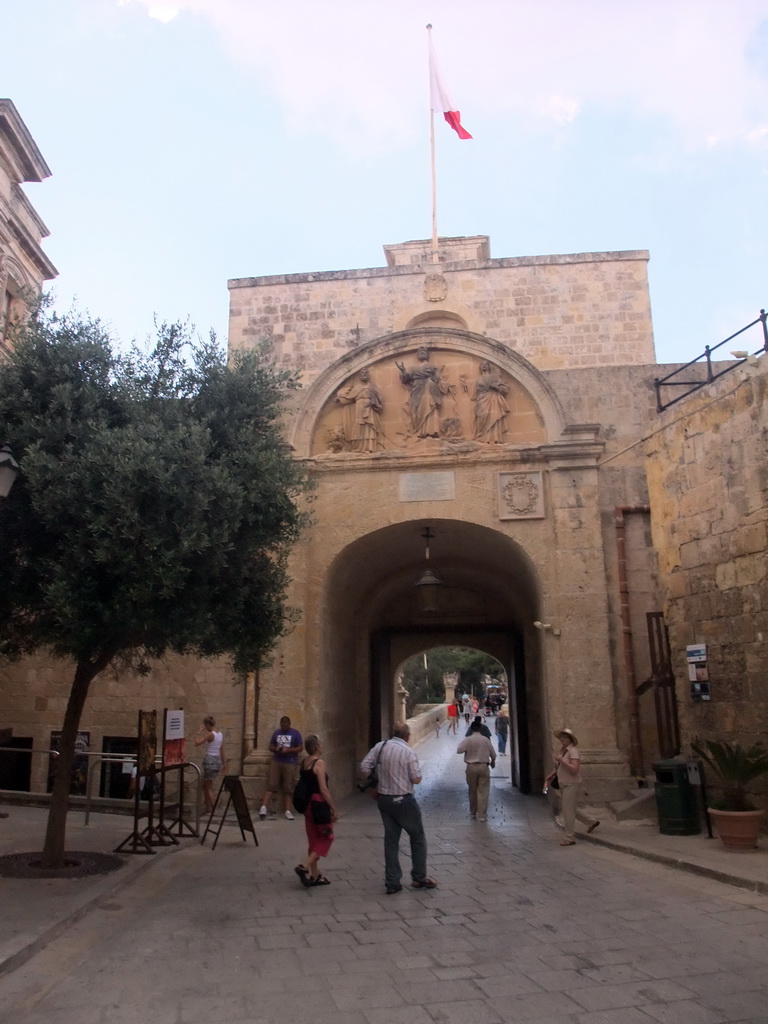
(288, 816)
(263, 812)
(482, 819)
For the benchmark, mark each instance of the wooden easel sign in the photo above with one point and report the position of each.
(233, 787)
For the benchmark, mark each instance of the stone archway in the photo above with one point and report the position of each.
(489, 598)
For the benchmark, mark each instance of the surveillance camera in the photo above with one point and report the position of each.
(542, 625)
(740, 353)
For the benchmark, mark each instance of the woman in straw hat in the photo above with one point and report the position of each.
(568, 772)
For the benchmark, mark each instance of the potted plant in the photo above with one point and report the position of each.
(736, 818)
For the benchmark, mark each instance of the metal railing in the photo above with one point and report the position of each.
(99, 757)
(703, 364)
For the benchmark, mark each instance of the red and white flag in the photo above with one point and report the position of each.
(440, 101)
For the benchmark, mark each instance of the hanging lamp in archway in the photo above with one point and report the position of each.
(428, 593)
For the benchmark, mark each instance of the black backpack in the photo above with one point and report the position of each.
(305, 787)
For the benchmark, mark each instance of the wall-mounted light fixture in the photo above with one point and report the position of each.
(741, 353)
(546, 627)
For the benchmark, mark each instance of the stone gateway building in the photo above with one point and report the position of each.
(491, 471)
(497, 402)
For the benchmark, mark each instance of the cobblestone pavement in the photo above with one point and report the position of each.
(519, 930)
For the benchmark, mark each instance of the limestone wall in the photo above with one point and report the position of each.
(587, 309)
(35, 691)
(708, 480)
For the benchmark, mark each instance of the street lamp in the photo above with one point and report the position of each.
(9, 470)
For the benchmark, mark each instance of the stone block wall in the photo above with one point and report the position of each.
(586, 309)
(35, 692)
(708, 480)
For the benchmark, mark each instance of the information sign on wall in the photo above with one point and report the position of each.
(698, 672)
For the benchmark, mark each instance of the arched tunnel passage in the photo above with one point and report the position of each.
(488, 598)
(439, 674)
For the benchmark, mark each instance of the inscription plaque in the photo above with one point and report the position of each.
(427, 487)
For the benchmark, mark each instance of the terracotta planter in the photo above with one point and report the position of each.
(738, 830)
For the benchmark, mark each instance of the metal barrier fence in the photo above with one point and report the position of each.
(97, 757)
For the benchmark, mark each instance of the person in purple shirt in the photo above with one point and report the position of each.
(286, 745)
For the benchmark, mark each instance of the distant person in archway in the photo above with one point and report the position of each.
(466, 706)
(398, 771)
(478, 754)
(453, 714)
(502, 731)
(482, 727)
(568, 771)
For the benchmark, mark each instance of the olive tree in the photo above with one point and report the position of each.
(155, 511)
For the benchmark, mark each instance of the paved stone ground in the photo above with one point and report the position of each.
(519, 930)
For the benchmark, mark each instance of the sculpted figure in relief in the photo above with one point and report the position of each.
(362, 415)
(491, 409)
(425, 399)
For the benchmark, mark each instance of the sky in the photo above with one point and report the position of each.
(193, 141)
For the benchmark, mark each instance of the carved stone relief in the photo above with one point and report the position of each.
(363, 403)
(521, 496)
(433, 399)
(435, 288)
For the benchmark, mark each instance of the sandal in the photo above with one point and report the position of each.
(320, 880)
(425, 883)
(568, 842)
(303, 874)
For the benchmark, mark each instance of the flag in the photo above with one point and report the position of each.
(440, 101)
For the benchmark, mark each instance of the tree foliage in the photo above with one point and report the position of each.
(425, 684)
(157, 504)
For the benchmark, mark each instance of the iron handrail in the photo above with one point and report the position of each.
(711, 375)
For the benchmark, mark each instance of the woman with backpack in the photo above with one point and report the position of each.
(319, 812)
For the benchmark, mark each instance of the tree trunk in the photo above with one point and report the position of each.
(55, 833)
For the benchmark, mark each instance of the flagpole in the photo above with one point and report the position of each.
(435, 256)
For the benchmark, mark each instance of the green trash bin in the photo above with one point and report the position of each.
(676, 800)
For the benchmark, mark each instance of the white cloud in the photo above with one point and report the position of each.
(358, 69)
(163, 12)
(160, 12)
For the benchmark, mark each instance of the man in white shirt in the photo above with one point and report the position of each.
(398, 771)
(478, 751)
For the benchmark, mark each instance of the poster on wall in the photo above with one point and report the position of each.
(79, 779)
(174, 744)
(147, 742)
(698, 672)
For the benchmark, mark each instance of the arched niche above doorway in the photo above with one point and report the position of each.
(427, 395)
(440, 318)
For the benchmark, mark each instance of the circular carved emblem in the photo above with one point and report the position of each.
(435, 288)
(521, 495)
